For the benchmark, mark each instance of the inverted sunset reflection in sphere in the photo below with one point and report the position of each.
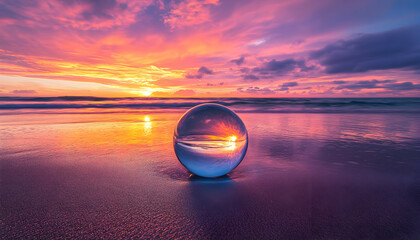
(210, 140)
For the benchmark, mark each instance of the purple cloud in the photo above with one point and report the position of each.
(250, 77)
(399, 48)
(238, 61)
(204, 70)
(278, 68)
(24, 91)
(287, 85)
(256, 90)
(384, 84)
(200, 73)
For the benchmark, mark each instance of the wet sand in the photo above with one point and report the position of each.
(305, 176)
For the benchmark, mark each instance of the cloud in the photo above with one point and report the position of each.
(290, 84)
(256, 90)
(399, 48)
(200, 73)
(278, 68)
(339, 82)
(238, 61)
(266, 90)
(24, 91)
(19, 61)
(80, 14)
(204, 70)
(189, 13)
(250, 77)
(258, 42)
(214, 84)
(6, 13)
(184, 92)
(402, 86)
(363, 84)
(383, 84)
(287, 85)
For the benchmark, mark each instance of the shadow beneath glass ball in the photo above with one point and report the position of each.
(199, 179)
(183, 175)
(210, 194)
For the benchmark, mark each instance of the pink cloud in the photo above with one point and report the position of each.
(76, 14)
(189, 13)
(184, 92)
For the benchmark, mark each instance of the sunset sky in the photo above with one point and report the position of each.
(210, 48)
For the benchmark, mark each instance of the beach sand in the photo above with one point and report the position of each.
(305, 176)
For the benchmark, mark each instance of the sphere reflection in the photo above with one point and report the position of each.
(210, 140)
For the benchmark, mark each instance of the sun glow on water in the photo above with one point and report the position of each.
(147, 126)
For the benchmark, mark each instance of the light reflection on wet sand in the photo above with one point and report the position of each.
(322, 176)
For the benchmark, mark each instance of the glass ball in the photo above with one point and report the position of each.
(210, 140)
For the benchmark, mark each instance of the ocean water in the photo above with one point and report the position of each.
(259, 105)
(319, 169)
